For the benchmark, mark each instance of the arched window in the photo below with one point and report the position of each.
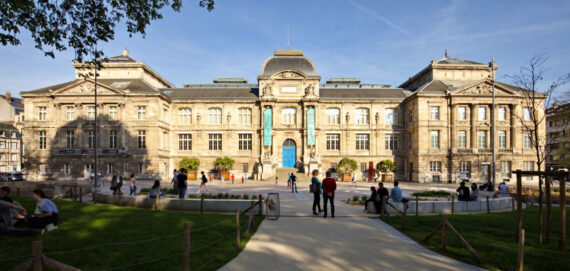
(184, 116)
(362, 116)
(333, 115)
(215, 116)
(245, 116)
(289, 115)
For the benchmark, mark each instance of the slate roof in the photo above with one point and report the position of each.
(452, 60)
(276, 64)
(7, 126)
(211, 93)
(363, 94)
(15, 102)
(46, 90)
(120, 58)
(133, 85)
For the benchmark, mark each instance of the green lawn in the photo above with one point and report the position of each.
(136, 239)
(492, 237)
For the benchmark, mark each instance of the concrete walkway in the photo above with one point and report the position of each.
(350, 241)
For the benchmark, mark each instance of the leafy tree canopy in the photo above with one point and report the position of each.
(224, 164)
(189, 163)
(385, 166)
(78, 24)
(347, 165)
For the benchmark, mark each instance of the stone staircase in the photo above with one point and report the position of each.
(283, 173)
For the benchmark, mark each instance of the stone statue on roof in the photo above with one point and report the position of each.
(267, 91)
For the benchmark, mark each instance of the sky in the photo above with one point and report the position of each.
(380, 42)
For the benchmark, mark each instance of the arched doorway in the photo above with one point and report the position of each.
(289, 153)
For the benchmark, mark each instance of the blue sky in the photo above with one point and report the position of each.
(377, 41)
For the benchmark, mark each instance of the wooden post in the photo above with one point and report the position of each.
(548, 207)
(186, 258)
(444, 233)
(519, 203)
(37, 255)
(251, 215)
(562, 236)
(520, 260)
(81, 194)
(405, 214)
(237, 228)
(383, 205)
(416, 205)
(462, 240)
(18, 191)
(513, 202)
(452, 204)
(155, 200)
(260, 204)
(488, 207)
(202, 203)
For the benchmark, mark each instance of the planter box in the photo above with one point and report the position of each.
(226, 175)
(387, 177)
(192, 175)
(346, 178)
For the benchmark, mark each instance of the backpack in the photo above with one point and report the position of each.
(312, 188)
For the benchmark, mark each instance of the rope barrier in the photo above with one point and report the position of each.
(213, 225)
(151, 261)
(15, 258)
(212, 243)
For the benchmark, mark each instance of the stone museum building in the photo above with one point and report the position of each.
(436, 126)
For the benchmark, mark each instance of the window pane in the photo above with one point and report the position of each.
(461, 113)
(389, 114)
(333, 115)
(333, 142)
(502, 113)
(244, 142)
(289, 115)
(502, 139)
(462, 139)
(184, 142)
(434, 112)
(362, 116)
(482, 112)
(482, 139)
(435, 139)
(362, 141)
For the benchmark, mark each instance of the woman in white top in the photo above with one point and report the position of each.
(132, 186)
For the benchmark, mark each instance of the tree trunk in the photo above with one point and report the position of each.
(540, 210)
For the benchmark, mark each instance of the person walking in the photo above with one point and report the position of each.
(354, 180)
(242, 178)
(174, 183)
(329, 188)
(117, 183)
(132, 186)
(276, 180)
(182, 183)
(233, 177)
(316, 192)
(293, 183)
(203, 184)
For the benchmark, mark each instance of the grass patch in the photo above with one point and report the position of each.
(85, 226)
(437, 193)
(492, 237)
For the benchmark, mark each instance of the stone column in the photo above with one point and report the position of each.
(451, 126)
(514, 108)
(473, 108)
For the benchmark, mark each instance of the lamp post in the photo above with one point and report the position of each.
(493, 166)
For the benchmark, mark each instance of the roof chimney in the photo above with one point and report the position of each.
(125, 52)
(8, 96)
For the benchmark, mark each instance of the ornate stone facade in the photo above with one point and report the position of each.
(435, 126)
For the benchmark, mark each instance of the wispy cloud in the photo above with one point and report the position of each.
(380, 17)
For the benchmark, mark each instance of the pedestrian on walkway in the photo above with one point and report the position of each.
(354, 180)
(223, 179)
(245, 176)
(329, 188)
(293, 183)
(174, 183)
(132, 186)
(316, 192)
(203, 184)
(242, 178)
(276, 180)
(117, 183)
(233, 177)
(289, 179)
(182, 183)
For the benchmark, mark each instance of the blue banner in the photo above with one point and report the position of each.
(267, 128)
(311, 127)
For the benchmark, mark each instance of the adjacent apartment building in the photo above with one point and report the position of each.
(558, 136)
(436, 126)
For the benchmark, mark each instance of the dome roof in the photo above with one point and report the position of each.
(288, 60)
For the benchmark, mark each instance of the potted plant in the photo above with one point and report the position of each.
(347, 166)
(224, 165)
(191, 165)
(386, 166)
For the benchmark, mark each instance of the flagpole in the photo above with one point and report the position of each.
(95, 136)
(493, 132)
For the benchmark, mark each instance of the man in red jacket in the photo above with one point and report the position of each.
(329, 187)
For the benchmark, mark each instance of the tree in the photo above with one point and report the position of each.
(224, 164)
(533, 117)
(386, 166)
(190, 164)
(347, 166)
(79, 24)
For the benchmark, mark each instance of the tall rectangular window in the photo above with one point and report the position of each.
(110, 168)
(362, 141)
(465, 167)
(462, 139)
(184, 116)
(502, 114)
(362, 116)
(505, 169)
(245, 116)
(42, 140)
(244, 142)
(91, 139)
(42, 114)
(113, 139)
(435, 166)
(141, 139)
(389, 114)
(391, 141)
(185, 142)
(333, 142)
(69, 113)
(91, 112)
(461, 113)
(526, 113)
(502, 139)
(69, 139)
(482, 139)
(434, 139)
(482, 113)
(333, 116)
(66, 169)
(215, 142)
(528, 166)
(141, 112)
(215, 116)
(289, 116)
(527, 139)
(113, 112)
(434, 113)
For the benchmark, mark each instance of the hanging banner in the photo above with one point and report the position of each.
(311, 126)
(267, 128)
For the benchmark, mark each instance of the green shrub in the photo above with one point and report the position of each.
(226, 196)
(364, 198)
(254, 197)
(220, 195)
(245, 196)
(144, 190)
(189, 164)
(347, 165)
(355, 198)
(437, 193)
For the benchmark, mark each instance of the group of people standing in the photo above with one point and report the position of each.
(327, 188)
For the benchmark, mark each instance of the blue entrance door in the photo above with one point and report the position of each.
(289, 153)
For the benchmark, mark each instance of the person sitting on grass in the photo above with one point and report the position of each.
(155, 190)
(463, 192)
(9, 209)
(46, 212)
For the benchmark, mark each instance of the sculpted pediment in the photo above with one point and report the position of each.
(485, 89)
(87, 87)
(288, 75)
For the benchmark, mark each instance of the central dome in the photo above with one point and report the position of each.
(283, 60)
